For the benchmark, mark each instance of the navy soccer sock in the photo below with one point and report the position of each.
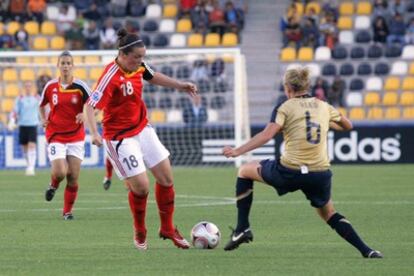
(344, 229)
(244, 195)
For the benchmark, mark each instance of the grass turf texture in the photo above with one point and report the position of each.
(290, 239)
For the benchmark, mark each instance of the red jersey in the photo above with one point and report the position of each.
(65, 104)
(119, 95)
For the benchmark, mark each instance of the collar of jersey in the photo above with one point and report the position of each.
(126, 74)
(63, 90)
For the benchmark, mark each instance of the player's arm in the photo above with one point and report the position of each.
(92, 125)
(258, 140)
(344, 124)
(163, 80)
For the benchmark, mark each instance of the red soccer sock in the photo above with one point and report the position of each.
(109, 169)
(71, 192)
(138, 206)
(165, 201)
(54, 182)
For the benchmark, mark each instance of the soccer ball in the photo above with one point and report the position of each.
(205, 235)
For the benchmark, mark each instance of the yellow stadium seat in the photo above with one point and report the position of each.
(92, 59)
(212, 40)
(157, 116)
(48, 28)
(1, 28)
(95, 73)
(184, 25)
(12, 27)
(7, 105)
(27, 74)
(346, 8)
(392, 84)
(9, 74)
(300, 8)
(372, 98)
(343, 111)
(345, 23)
(80, 73)
(407, 98)
(411, 70)
(11, 90)
(170, 10)
(3, 118)
(375, 113)
(357, 113)
(408, 113)
(305, 54)
(57, 43)
(364, 8)
(195, 40)
(40, 60)
(288, 54)
(45, 71)
(41, 43)
(53, 60)
(408, 83)
(32, 27)
(77, 60)
(393, 113)
(23, 60)
(229, 39)
(1, 91)
(390, 98)
(315, 5)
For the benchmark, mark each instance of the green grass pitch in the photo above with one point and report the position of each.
(289, 238)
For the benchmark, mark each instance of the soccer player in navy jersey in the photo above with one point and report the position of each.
(130, 141)
(304, 165)
(65, 132)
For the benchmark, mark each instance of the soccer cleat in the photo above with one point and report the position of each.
(374, 254)
(140, 241)
(176, 237)
(50, 193)
(68, 216)
(106, 183)
(238, 238)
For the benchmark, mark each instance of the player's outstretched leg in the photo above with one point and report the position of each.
(165, 200)
(138, 206)
(242, 233)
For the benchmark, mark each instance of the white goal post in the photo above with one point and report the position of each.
(224, 95)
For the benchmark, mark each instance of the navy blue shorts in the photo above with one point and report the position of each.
(27, 134)
(315, 185)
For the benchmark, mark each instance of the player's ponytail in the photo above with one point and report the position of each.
(298, 79)
(127, 41)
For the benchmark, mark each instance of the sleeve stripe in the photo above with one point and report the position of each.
(44, 89)
(102, 84)
(84, 85)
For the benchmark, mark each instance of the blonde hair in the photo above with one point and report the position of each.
(297, 79)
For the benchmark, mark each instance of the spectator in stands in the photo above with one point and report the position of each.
(41, 82)
(21, 38)
(293, 35)
(409, 36)
(108, 35)
(216, 19)
(4, 10)
(397, 6)
(92, 14)
(36, 9)
(381, 9)
(312, 16)
(331, 7)
(195, 115)
(119, 7)
(91, 35)
(320, 89)
(65, 19)
(397, 30)
(380, 28)
(218, 68)
(17, 10)
(199, 17)
(336, 92)
(137, 7)
(200, 70)
(82, 5)
(74, 36)
(185, 8)
(328, 32)
(6, 40)
(233, 17)
(310, 33)
(103, 7)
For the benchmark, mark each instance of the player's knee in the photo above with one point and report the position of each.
(139, 191)
(59, 176)
(71, 178)
(243, 171)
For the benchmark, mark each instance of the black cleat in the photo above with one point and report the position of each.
(238, 238)
(106, 183)
(68, 216)
(374, 254)
(50, 193)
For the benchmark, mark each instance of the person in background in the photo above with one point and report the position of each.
(25, 114)
(21, 38)
(36, 10)
(195, 115)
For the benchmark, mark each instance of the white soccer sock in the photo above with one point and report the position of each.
(31, 158)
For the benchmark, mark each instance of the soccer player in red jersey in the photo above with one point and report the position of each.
(65, 132)
(130, 141)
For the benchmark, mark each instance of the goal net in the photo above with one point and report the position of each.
(193, 135)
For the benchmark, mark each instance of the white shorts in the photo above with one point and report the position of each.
(60, 150)
(132, 155)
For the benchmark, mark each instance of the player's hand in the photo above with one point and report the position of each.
(80, 118)
(45, 123)
(190, 88)
(97, 139)
(230, 152)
